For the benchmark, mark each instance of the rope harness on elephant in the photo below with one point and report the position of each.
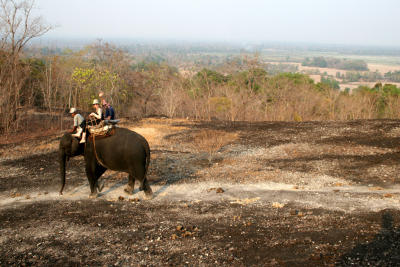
(95, 153)
(98, 130)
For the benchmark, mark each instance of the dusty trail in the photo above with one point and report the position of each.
(345, 198)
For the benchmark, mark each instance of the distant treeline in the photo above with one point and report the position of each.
(357, 76)
(245, 90)
(335, 63)
(368, 76)
(393, 76)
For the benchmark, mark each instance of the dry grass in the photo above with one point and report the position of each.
(154, 130)
(37, 142)
(25, 136)
(210, 141)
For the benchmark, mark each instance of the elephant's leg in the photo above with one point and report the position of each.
(144, 184)
(99, 172)
(131, 183)
(147, 189)
(91, 175)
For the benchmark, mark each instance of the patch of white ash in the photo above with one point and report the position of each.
(311, 181)
(275, 152)
(240, 152)
(395, 132)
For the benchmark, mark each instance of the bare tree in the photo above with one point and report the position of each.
(17, 27)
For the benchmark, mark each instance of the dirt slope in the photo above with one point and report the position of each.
(311, 193)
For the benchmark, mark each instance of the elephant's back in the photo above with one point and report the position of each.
(126, 134)
(123, 149)
(124, 140)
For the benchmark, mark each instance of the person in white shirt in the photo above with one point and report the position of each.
(98, 114)
(79, 124)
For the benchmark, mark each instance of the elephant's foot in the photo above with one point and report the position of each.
(148, 194)
(100, 185)
(93, 195)
(129, 190)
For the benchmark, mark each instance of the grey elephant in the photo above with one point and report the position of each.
(125, 151)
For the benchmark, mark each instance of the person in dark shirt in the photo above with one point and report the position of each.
(109, 113)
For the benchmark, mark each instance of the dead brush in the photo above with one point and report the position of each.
(211, 141)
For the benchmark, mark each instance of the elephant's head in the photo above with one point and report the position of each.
(69, 147)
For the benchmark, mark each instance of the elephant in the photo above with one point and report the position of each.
(125, 151)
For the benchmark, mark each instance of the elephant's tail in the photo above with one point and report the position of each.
(147, 159)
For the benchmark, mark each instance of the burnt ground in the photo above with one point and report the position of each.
(269, 194)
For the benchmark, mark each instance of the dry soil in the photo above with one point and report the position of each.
(249, 194)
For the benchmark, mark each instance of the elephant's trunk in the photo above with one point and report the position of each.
(62, 159)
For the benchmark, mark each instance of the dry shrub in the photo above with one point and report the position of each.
(392, 108)
(211, 141)
(352, 107)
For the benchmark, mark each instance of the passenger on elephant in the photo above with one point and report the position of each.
(98, 114)
(79, 125)
(109, 110)
(109, 114)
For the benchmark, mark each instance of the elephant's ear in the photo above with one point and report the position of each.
(74, 146)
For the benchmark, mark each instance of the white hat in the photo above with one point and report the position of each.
(101, 94)
(72, 110)
(96, 102)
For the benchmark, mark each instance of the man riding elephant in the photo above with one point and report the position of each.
(79, 125)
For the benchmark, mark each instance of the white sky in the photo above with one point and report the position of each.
(363, 22)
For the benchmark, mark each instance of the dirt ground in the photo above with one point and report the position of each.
(225, 194)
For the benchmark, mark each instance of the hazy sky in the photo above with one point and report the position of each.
(366, 22)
